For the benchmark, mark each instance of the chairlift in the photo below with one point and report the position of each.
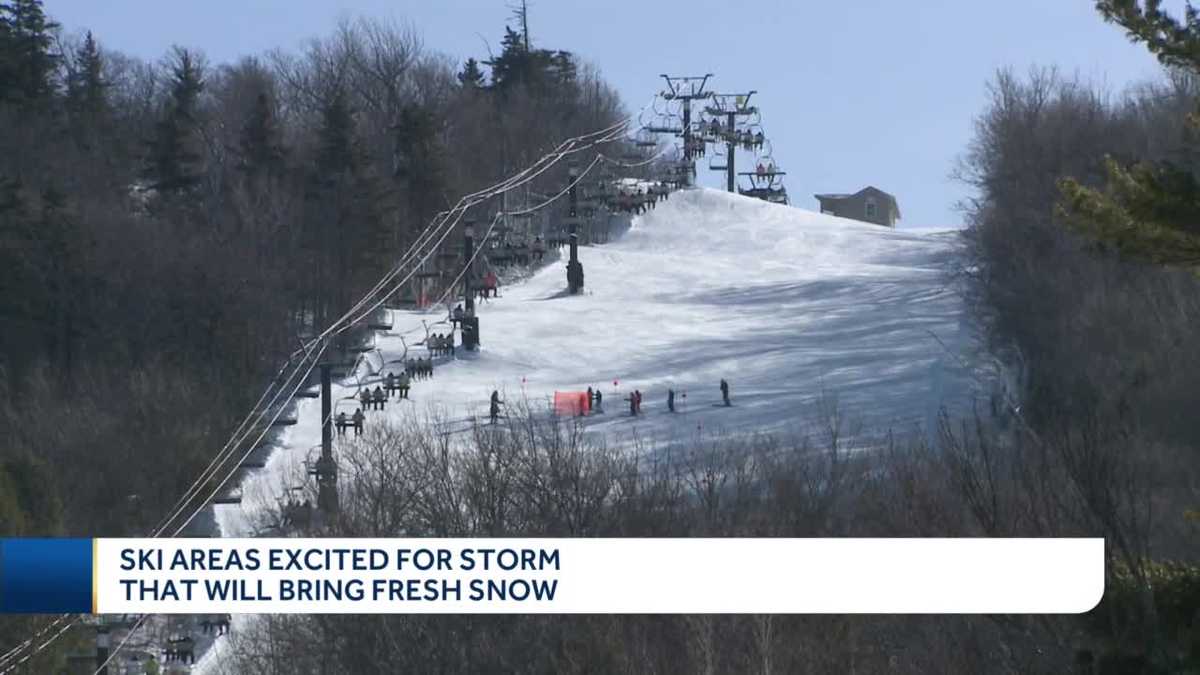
(718, 161)
(284, 422)
(308, 393)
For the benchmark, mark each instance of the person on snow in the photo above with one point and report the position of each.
(599, 398)
(364, 397)
(539, 249)
(341, 424)
(590, 395)
(358, 421)
(390, 384)
(671, 400)
(494, 406)
(633, 404)
(725, 392)
(378, 398)
(403, 383)
(457, 315)
(490, 284)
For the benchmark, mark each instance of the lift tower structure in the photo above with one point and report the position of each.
(731, 107)
(685, 90)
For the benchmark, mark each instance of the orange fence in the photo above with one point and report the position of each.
(571, 403)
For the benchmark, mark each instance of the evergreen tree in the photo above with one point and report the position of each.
(174, 155)
(87, 91)
(419, 162)
(1148, 212)
(335, 138)
(30, 63)
(261, 150)
(471, 76)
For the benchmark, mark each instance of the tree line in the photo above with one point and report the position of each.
(168, 229)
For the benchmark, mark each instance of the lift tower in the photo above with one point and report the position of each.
(325, 468)
(574, 267)
(470, 322)
(731, 107)
(686, 90)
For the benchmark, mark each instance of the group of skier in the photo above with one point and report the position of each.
(639, 200)
(398, 385)
(372, 400)
(748, 140)
(441, 344)
(491, 285)
(419, 369)
(342, 422)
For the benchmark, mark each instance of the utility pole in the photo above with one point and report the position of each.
(326, 467)
(686, 90)
(574, 267)
(470, 322)
(731, 106)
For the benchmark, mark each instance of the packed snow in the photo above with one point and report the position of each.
(797, 310)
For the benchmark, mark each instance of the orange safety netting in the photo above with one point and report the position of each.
(571, 403)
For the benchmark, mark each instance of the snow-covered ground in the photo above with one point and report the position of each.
(788, 305)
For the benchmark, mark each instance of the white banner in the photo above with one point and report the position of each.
(598, 576)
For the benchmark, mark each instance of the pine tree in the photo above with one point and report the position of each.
(174, 155)
(27, 51)
(1148, 212)
(512, 65)
(335, 138)
(419, 162)
(471, 76)
(87, 91)
(261, 150)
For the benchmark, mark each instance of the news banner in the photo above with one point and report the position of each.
(551, 576)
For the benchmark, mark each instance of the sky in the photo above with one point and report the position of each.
(854, 93)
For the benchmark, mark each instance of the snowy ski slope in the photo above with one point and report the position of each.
(788, 305)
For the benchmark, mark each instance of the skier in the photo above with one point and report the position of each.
(725, 392)
(390, 385)
(378, 398)
(494, 406)
(539, 249)
(403, 383)
(364, 397)
(638, 392)
(671, 400)
(358, 421)
(457, 315)
(341, 424)
(590, 395)
(633, 404)
(599, 398)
